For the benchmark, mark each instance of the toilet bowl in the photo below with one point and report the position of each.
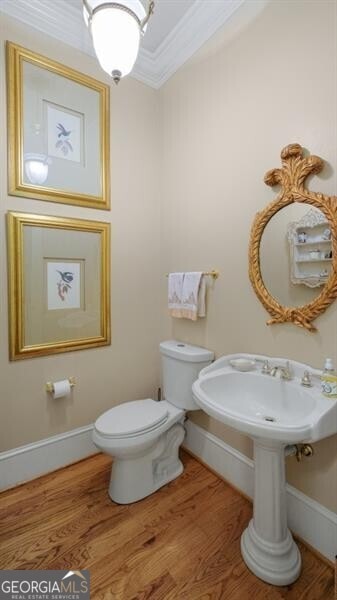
(144, 436)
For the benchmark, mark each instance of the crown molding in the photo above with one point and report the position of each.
(198, 24)
(63, 21)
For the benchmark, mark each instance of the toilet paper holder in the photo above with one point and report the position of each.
(50, 385)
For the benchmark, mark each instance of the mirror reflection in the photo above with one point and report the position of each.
(295, 254)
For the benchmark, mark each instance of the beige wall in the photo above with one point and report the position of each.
(204, 141)
(103, 375)
(226, 117)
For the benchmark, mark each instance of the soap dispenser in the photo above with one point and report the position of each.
(329, 380)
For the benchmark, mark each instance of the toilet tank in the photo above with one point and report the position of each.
(181, 364)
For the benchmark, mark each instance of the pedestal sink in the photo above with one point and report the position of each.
(275, 413)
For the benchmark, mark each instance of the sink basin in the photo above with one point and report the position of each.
(275, 413)
(264, 406)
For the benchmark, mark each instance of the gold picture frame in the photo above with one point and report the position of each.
(59, 284)
(58, 132)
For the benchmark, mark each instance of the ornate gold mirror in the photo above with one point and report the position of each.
(293, 244)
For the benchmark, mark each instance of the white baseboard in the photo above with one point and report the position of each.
(314, 523)
(307, 518)
(30, 461)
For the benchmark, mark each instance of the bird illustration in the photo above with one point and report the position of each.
(63, 286)
(66, 276)
(63, 131)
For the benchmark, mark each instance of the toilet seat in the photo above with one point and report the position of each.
(132, 419)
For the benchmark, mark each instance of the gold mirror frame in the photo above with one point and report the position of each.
(291, 177)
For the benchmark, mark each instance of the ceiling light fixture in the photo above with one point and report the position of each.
(116, 28)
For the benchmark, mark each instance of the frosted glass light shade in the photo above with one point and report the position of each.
(116, 38)
(36, 168)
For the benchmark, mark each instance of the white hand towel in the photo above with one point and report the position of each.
(175, 293)
(202, 297)
(190, 296)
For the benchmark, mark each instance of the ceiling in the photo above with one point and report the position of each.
(175, 32)
(165, 17)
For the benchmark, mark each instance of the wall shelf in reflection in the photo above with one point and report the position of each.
(314, 227)
(313, 243)
(311, 260)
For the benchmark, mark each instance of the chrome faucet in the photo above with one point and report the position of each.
(265, 368)
(306, 379)
(285, 371)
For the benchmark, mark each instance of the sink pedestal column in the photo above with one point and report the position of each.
(267, 546)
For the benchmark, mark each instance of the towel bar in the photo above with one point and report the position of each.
(215, 274)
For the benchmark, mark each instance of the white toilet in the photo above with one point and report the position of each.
(144, 436)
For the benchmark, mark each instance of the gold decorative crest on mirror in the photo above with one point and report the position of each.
(317, 249)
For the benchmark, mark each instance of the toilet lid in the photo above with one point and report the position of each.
(132, 418)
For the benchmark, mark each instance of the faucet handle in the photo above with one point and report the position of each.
(306, 379)
(266, 368)
(288, 373)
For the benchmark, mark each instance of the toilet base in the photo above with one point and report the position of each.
(134, 478)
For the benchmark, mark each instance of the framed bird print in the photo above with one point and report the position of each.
(58, 132)
(59, 284)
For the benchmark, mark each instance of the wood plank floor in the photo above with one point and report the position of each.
(182, 543)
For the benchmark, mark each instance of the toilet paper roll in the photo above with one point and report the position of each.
(61, 389)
